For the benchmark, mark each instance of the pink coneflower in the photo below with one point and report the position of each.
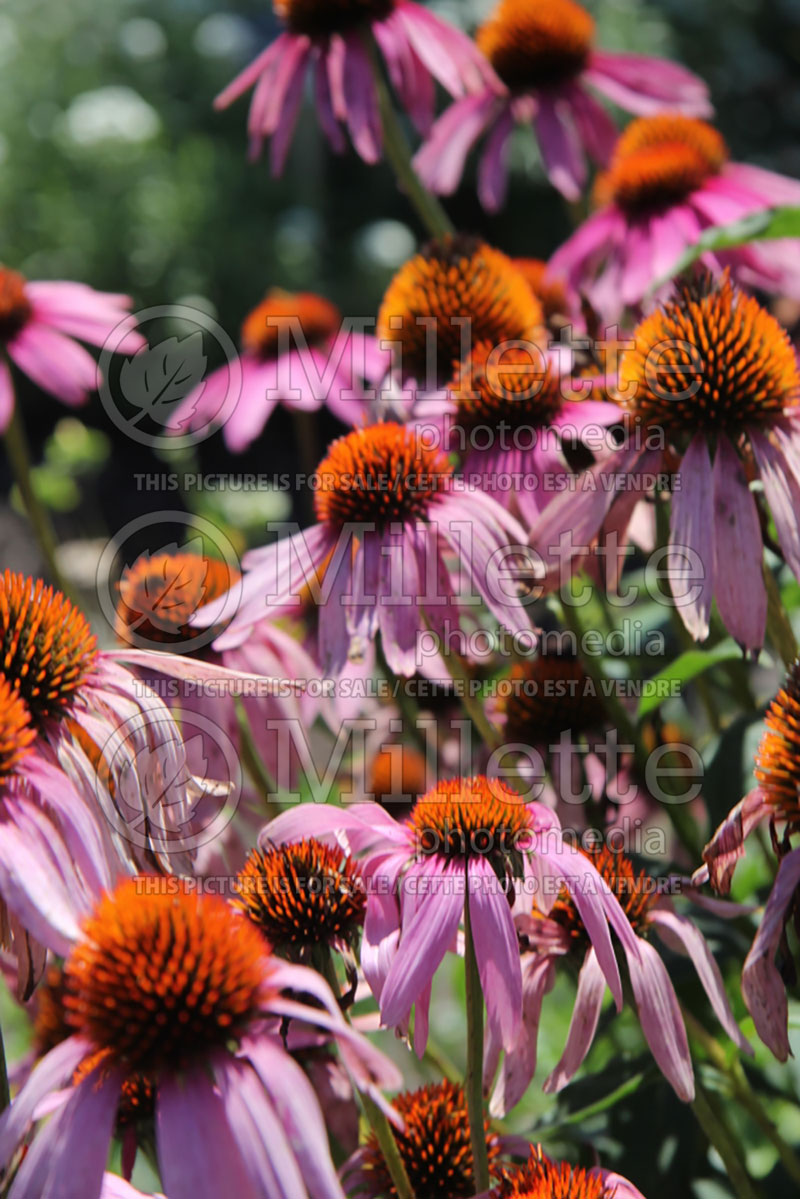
(668, 180)
(467, 840)
(551, 936)
(176, 1003)
(296, 351)
(327, 39)
(388, 516)
(39, 323)
(110, 734)
(507, 413)
(775, 800)
(711, 373)
(543, 55)
(543, 1178)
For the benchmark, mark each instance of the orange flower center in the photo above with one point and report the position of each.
(46, 645)
(317, 18)
(778, 758)
(464, 818)
(551, 695)
(16, 733)
(398, 770)
(379, 475)
(537, 43)
(435, 1146)
(551, 293)
(303, 895)
(658, 161)
(158, 595)
(512, 386)
(456, 292)
(163, 976)
(633, 888)
(712, 358)
(15, 307)
(541, 1178)
(137, 1099)
(283, 319)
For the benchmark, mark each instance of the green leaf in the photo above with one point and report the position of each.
(774, 222)
(688, 666)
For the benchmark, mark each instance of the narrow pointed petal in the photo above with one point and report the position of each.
(763, 988)
(738, 551)
(661, 1020)
(519, 1064)
(583, 1025)
(497, 951)
(691, 539)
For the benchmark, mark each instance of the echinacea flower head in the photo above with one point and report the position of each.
(775, 800)
(434, 1145)
(296, 350)
(40, 326)
(467, 841)
(328, 39)
(552, 294)
(543, 55)
(542, 1178)
(159, 593)
(669, 178)
(715, 374)
(303, 895)
(556, 931)
(16, 731)
(507, 412)
(387, 513)
(174, 1001)
(456, 291)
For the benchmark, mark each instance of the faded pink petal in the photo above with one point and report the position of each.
(644, 85)
(691, 539)
(727, 845)
(762, 986)
(496, 950)
(782, 489)
(583, 1025)
(691, 941)
(661, 1020)
(519, 1063)
(440, 161)
(6, 395)
(738, 551)
(560, 145)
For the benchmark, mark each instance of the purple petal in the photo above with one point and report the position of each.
(245, 80)
(493, 168)
(197, 1154)
(727, 845)
(694, 943)
(440, 161)
(692, 531)
(738, 551)
(497, 951)
(583, 1025)
(6, 396)
(519, 1064)
(596, 128)
(762, 986)
(644, 85)
(661, 1020)
(54, 362)
(561, 149)
(361, 100)
(423, 944)
(782, 489)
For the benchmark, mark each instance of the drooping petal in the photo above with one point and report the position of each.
(6, 395)
(642, 84)
(560, 145)
(197, 1154)
(54, 362)
(692, 941)
(519, 1063)
(497, 951)
(661, 1020)
(727, 845)
(738, 551)
(782, 489)
(440, 161)
(583, 1025)
(49, 1074)
(691, 539)
(763, 988)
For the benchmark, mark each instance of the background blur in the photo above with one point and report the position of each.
(116, 171)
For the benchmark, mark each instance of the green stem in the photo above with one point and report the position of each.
(725, 1145)
(473, 1083)
(428, 208)
(462, 677)
(743, 1092)
(391, 1154)
(20, 459)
